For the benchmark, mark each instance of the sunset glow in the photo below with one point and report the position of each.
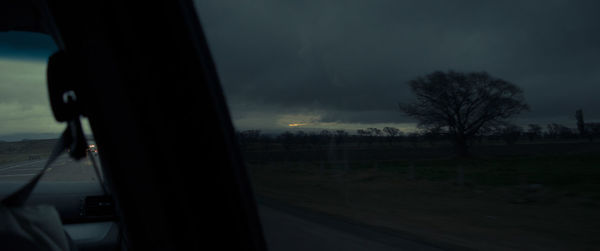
(296, 124)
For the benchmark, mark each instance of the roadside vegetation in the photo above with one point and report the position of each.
(545, 188)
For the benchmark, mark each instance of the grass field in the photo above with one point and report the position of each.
(528, 196)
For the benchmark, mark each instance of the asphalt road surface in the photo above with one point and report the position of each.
(285, 227)
(289, 228)
(63, 169)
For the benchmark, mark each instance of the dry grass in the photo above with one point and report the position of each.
(481, 217)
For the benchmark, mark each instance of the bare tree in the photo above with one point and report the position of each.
(375, 134)
(580, 123)
(340, 136)
(463, 103)
(593, 130)
(392, 133)
(510, 133)
(325, 136)
(432, 134)
(534, 131)
(558, 131)
(286, 139)
(325, 133)
(363, 135)
(248, 137)
(375, 131)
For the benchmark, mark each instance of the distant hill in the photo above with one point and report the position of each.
(28, 136)
(32, 136)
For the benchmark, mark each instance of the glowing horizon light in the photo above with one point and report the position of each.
(296, 124)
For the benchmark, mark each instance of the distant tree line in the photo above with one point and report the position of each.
(507, 133)
(462, 109)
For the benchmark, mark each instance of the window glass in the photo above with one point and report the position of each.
(28, 130)
(462, 124)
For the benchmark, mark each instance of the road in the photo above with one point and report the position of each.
(285, 227)
(288, 228)
(63, 169)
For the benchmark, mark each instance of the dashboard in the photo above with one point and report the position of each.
(86, 212)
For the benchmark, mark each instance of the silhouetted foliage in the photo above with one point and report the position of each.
(325, 136)
(286, 139)
(314, 139)
(580, 123)
(300, 139)
(340, 136)
(364, 136)
(392, 133)
(413, 138)
(433, 134)
(593, 130)
(534, 131)
(510, 133)
(558, 131)
(247, 137)
(463, 103)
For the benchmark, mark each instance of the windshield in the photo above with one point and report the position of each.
(470, 124)
(28, 130)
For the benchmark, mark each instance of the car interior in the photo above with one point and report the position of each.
(299, 125)
(143, 76)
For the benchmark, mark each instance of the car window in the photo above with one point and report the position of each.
(28, 130)
(471, 124)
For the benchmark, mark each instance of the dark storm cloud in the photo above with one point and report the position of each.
(24, 105)
(26, 45)
(23, 57)
(350, 60)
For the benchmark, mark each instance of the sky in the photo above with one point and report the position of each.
(24, 106)
(345, 64)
